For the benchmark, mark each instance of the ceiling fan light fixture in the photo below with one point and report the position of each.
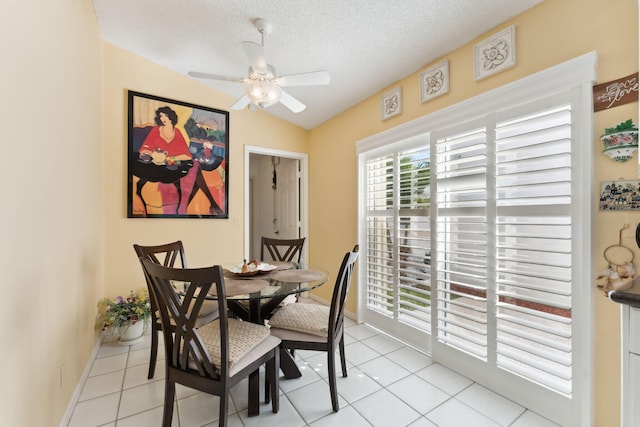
(263, 92)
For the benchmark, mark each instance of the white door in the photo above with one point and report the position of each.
(286, 203)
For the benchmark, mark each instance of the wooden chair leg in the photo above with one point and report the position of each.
(153, 358)
(333, 387)
(343, 359)
(224, 404)
(169, 400)
(254, 393)
(273, 378)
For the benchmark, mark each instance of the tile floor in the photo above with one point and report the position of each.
(389, 384)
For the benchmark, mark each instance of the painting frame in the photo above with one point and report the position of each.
(495, 54)
(391, 103)
(434, 81)
(178, 159)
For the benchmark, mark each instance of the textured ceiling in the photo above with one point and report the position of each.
(365, 45)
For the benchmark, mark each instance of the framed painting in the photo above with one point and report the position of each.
(495, 54)
(178, 159)
(434, 81)
(391, 103)
(619, 195)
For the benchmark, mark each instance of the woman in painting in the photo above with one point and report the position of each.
(165, 144)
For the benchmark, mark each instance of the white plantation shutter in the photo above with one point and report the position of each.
(461, 200)
(398, 237)
(533, 247)
(508, 247)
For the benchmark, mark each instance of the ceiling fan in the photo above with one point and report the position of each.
(263, 86)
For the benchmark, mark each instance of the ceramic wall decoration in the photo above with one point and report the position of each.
(495, 54)
(434, 81)
(621, 141)
(391, 103)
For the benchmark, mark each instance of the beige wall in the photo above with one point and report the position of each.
(206, 241)
(52, 222)
(550, 33)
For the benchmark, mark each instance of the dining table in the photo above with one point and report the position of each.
(254, 295)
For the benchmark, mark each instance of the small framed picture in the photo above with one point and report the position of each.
(619, 195)
(495, 54)
(434, 81)
(391, 103)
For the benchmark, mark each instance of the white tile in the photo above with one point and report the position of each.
(286, 417)
(232, 421)
(445, 379)
(346, 416)
(313, 401)
(384, 409)
(201, 409)
(361, 331)
(383, 370)
(183, 391)
(101, 385)
(382, 343)
(422, 422)
(490, 404)
(319, 364)
(111, 349)
(108, 364)
(348, 339)
(152, 417)
(309, 375)
(140, 357)
(454, 413)
(531, 419)
(95, 412)
(418, 393)
(141, 398)
(358, 353)
(356, 385)
(410, 359)
(420, 400)
(137, 375)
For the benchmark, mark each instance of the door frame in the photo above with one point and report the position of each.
(304, 187)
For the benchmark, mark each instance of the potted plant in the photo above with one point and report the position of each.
(621, 141)
(127, 316)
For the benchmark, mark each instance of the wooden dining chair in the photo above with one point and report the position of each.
(214, 357)
(317, 327)
(287, 250)
(170, 255)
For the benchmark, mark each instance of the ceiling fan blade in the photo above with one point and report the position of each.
(255, 53)
(214, 77)
(241, 103)
(305, 79)
(291, 103)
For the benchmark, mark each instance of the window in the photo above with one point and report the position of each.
(475, 225)
(398, 253)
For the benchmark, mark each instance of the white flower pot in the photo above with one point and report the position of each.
(131, 333)
(620, 146)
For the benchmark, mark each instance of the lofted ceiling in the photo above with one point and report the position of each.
(365, 45)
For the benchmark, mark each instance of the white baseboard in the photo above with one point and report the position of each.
(76, 394)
